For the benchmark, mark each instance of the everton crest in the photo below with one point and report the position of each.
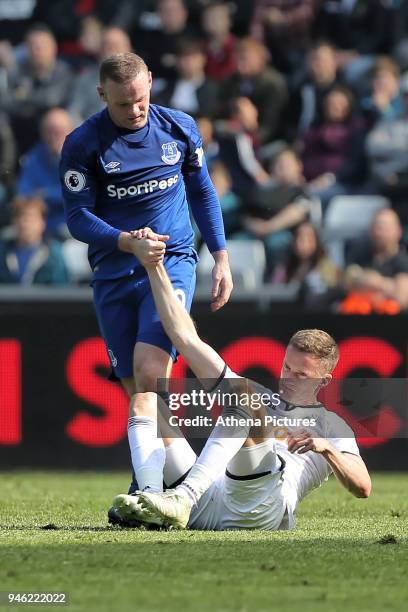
(171, 154)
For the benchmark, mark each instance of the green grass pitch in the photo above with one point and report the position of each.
(346, 554)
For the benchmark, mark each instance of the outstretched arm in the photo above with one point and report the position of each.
(202, 359)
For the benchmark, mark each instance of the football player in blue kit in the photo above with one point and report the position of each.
(132, 165)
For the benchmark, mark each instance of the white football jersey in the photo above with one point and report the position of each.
(307, 471)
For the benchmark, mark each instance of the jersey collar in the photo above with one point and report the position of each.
(131, 137)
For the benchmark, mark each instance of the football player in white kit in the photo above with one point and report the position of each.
(245, 477)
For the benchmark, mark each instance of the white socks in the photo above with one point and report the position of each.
(216, 454)
(147, 451)
(180, 457)
(149, 455)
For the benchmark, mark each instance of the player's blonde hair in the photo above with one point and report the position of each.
(122, 68)
(318, 343)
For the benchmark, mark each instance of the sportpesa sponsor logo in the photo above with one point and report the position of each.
(141, 188)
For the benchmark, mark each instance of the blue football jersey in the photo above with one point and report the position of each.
(117, 180)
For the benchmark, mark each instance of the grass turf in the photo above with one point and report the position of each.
(346, 554)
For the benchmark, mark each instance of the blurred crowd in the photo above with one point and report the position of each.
(303, 109)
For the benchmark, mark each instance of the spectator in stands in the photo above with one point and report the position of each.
(65, 18)
(159, 46)
(278, 206)
(85, 53)
(191, 91)
(7, 64)
(85, 100)
(210, 144)
(220, 45)
(384, 101)
(321, 77)
(307, 263)
(377, 280)
(262, 84)
(284, 26)
(40, 174)
(360, 30)
(28, 258)
(238, 138)
(38, 83)
(387, 151)
(241, 10)
(333, 150)
(7, 168)
(230, 203)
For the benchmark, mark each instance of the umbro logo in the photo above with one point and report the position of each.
(113, 166)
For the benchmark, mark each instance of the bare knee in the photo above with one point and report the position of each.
(143, 404)
(147, 373)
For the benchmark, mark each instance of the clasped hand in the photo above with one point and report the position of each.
(148, 246)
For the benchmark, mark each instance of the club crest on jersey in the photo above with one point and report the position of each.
(74, 180)
(113, 166)
(171, 154)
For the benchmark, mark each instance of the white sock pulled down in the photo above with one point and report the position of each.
(147, 451)
(223, 444)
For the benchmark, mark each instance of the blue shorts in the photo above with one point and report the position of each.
(127, 314)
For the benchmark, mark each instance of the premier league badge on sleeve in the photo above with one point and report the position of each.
(74, 180)
(171, 154)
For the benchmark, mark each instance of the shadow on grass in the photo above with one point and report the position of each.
(59, 528)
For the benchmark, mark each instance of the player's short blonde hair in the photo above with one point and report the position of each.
(318, 343)
(122, 68)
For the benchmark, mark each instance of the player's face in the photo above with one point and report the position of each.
(302, 375)
(128, 103)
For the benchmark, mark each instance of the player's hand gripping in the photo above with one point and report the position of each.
(301, 441)
(145, 244)
(149, 247)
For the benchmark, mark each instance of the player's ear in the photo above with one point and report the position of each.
(325, 380)
(149, 74)
(101, 92)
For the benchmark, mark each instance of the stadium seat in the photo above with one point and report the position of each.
(7, 233)
(315, 211)
(247, 261)
(76, 258)
(349, 217)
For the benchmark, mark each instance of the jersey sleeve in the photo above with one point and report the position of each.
(79, 188)
(201, 193)
(194, 158)
(340, 435)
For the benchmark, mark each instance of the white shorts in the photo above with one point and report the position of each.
(241, 504)
(253, 499)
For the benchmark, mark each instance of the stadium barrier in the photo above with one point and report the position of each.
(59, 410)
